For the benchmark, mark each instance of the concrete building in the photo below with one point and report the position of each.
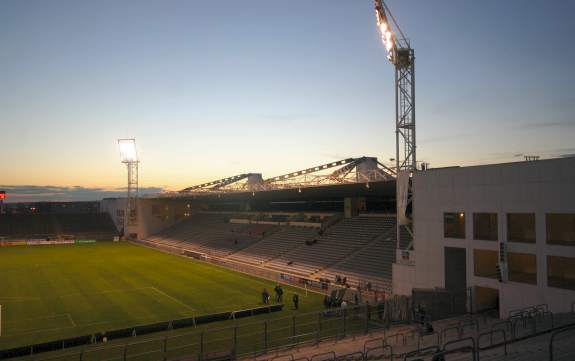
(506, 231)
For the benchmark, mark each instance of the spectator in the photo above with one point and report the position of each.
(279, 293)
(295, 300)
(265, 297)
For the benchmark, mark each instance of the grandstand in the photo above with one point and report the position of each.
(358, 248)
(96, 226)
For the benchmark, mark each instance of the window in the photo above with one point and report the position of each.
(486, 298)
(522, 267)
(561, 272)
(485, 263)
(521, 227)
(560, 228)
(119, 213)
(485, 226)
(454, 225)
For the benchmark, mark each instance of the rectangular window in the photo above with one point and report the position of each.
(485, 226)
(119, 213)
(454, 225)
(521, 227)
(485, 263)
(560, 228)
(561, 272)
(522, 267)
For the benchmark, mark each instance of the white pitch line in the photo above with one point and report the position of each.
(71, 319)
(38, 318)
(173, 298)
(32, 298)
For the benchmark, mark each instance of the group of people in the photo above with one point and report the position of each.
(339, 280)
(330, 302)
(279, 296)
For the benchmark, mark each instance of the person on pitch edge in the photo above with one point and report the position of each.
(295, 300)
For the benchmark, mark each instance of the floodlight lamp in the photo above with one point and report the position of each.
(128, 152)
(387, 36)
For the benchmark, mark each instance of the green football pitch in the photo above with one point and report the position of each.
(53, 292)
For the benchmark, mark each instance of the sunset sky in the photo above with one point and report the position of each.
(215, 88)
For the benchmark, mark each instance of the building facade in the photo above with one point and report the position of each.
(504, 231)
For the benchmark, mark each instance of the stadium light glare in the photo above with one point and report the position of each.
(128, 152)
(387, 36)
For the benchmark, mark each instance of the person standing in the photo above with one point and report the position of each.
(295, 300)
(265, 296)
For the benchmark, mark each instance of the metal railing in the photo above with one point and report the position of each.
(552, 341)
(241, 339)
(491, 345)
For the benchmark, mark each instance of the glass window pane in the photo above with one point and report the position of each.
(454, 225)
(560, 228)
(522, 267)
(561, 272)
(485, 226)
(485, 263)
(521, 227)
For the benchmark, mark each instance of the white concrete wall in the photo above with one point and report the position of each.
(111, 206)
(540, 187)
(148, 224)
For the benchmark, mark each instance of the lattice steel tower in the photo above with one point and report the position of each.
(402, 56)
(129, 157)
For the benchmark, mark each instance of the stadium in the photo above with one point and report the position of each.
(356, 259)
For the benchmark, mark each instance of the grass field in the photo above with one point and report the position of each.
(53, 292)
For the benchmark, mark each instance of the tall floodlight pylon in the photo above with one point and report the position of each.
(129, 157)
(402, 56)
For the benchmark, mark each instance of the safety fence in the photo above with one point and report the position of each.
(241, 339)
(111, 335)
(467, 343)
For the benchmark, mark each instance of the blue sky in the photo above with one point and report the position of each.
(215, 88)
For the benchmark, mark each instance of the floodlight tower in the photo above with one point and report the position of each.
(402, 56)
(2, 197)
(129, 157)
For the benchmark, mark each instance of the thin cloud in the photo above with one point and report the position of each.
(33, 193)
(551, 124)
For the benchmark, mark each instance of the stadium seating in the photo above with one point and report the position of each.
(211, 234)
(360, 248)
(463, 338)
(340, 241)
(275, 245)
(371, 263)
(81, 225)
